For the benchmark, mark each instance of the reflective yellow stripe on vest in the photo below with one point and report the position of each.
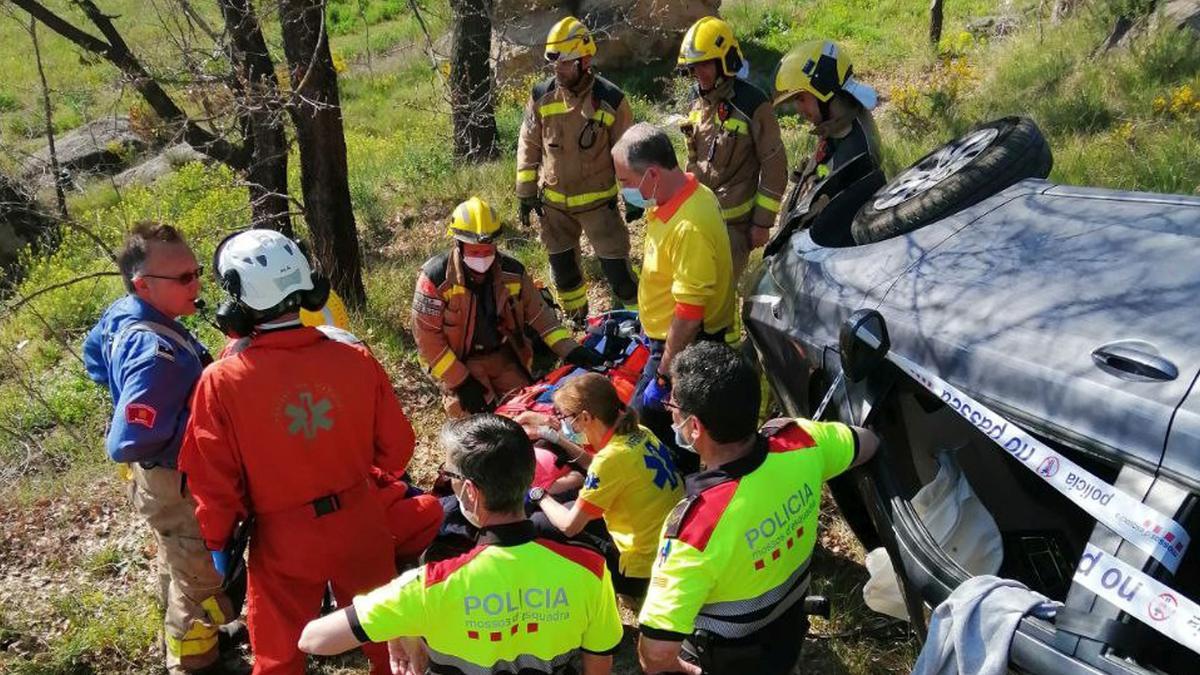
(579, 200)
(514, 288)
(556, 335)
(556, 108)
(443, 364)
(605, 118)
(767, 203)
(737, 211)
(736, 126)
(453, 291)
(527, 175)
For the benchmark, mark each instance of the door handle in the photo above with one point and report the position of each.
(1135, 361)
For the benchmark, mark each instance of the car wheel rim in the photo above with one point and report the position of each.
(947, 161)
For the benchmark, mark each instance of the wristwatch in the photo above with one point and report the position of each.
(536, 494)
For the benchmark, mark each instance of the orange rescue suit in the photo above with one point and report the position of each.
(288, 430)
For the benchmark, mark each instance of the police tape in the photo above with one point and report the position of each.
(1137, 523)
(1140, 596)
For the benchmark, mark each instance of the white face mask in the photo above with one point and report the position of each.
(480, 265)
(682, 442)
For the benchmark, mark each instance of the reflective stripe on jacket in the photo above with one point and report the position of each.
(566, 141)
(443, 315)
(735, 148)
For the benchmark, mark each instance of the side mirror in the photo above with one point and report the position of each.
(863, 343)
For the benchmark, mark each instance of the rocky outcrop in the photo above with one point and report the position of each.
(164, 163)
(103, 146)
(628, 32)
(22, 222)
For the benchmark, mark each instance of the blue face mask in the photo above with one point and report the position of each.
(680, 440)
(633, 195)
(568, 432)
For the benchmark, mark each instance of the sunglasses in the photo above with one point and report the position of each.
(182, 279)
(447, 474)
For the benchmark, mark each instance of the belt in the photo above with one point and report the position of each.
(321, 506)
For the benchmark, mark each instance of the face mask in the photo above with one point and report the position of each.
(480, 265)
(568, 432)
(633, 196)
(680, 440)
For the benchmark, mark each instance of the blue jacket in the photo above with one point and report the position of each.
(150, 364)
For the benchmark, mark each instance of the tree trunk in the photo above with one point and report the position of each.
(261, 113)
(935, 22)
(471, 87)
(316, 112)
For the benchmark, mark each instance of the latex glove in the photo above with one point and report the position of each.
(528, 205)
(584, 357)
(220, 561)
(656, 393)
(473, 396)
(549, 435)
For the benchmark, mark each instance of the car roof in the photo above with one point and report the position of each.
(1011, 299)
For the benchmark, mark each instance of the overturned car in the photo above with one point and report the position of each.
(1062, 313)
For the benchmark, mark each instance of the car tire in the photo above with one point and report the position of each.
(963, 172)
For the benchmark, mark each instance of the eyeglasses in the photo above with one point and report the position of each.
(181, 279)
(447, 474)
(671, 405)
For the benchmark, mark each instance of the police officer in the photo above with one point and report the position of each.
(287, 430)
(733, 141)
(571, 122)
(470, 310)
(150, 364)
(818, 79)
(514, 603)
(727, 587)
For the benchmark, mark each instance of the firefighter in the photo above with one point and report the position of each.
(565, 172)
(513, 603)
(150, 363)
(470, 312)
(726, 592)
(687, 290)
(733, 141)
(287, 431)
(818, 78)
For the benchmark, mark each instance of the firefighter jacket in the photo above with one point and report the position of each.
(566, 140)
(445, 314)
(292, 418)
(735, 148)
(849, 132)
(149, 364)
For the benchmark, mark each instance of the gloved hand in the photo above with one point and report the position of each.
(473, 396)
(633, 213)
(220, 561)
(584, 357)
(656, 393)
(530, 204)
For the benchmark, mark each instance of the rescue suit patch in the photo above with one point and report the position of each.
(308, 417)
(140, 413)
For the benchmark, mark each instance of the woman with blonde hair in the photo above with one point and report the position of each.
(631, 483)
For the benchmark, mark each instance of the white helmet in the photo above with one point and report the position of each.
(260, 268)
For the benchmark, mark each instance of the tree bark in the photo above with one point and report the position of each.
(316, 112)
(60, 195)
(262, 117)
(117, 52)
(935, 22)
(472, 96)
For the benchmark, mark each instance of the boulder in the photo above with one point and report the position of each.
(152, 169)
(103, 146)
(628, 32)
(22, 222)
(992, 26)
(1182, 14)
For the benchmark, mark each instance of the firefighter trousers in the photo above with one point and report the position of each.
(189, 586)
(499, 372)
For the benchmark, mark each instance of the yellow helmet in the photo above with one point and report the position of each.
(474, 222)
(332, 314)
(711, 39)
(819, 67)
(568, 40)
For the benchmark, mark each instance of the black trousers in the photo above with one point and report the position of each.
(773, 650)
